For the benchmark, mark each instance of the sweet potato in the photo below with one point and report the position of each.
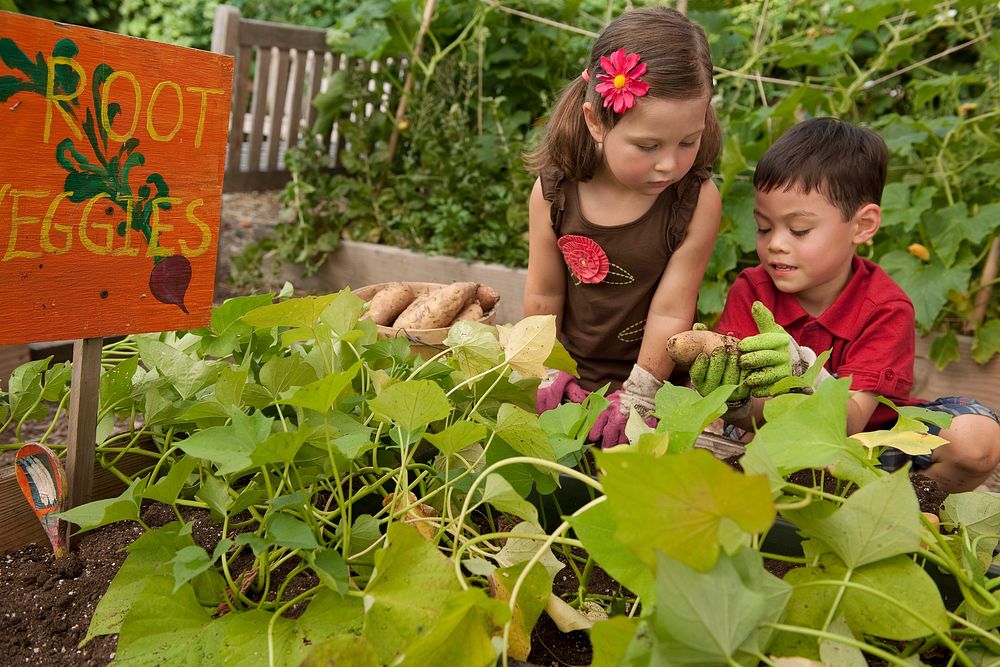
(685, 347)
(473, 311)
(437, 308)
(487, 297)
(389, 302)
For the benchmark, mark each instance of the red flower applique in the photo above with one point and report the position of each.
(620, 82)
(587, 260)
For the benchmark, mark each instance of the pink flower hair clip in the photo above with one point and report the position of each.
(620, 83)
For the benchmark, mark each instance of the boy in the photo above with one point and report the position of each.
(818, 190)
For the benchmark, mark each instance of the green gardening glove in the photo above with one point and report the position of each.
(770, 356)
(709, 372)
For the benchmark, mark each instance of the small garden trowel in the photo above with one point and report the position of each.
(41, 478)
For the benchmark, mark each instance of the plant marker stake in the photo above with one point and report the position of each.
(83, 405)
(43, 482)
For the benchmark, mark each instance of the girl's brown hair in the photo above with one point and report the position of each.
(679, 67)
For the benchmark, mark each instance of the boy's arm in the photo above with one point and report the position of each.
(859, 410)
(675, 300)
(545, 286)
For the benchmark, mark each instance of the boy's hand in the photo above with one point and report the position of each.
(771, 355)
(709, 372)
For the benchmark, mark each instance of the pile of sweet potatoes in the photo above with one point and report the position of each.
(403, 306)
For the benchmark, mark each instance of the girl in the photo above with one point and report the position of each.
(623, 215)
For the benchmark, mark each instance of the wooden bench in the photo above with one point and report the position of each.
(280, 69)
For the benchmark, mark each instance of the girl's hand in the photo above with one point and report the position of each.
(638, 391)
(557, 388)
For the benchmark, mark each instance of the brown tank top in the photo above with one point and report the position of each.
(612, 273)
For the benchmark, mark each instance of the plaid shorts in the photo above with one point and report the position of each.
(893, 459)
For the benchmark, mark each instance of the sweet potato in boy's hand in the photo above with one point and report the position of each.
(685, 347)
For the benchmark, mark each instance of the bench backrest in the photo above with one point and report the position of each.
(279, 69)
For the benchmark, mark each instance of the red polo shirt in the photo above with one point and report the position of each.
(869, 330)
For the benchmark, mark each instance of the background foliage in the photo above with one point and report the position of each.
(923, 74)
(918, 73)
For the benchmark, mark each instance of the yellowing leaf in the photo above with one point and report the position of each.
(527, 344)
(910, 442)
(419, 515)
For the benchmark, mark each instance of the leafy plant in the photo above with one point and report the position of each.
(914, 73)
(358, 490)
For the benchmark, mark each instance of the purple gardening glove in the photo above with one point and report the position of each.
(638, 391)
(558, 388)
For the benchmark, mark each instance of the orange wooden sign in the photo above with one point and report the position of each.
(111, 169)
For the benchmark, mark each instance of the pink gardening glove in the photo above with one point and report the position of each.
(558, 388)
(638, 391)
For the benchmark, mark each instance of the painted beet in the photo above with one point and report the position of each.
(169, 280)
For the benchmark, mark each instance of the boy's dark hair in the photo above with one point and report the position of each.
(845, 163)
(675, 51)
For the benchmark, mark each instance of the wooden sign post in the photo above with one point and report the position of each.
(111, 174)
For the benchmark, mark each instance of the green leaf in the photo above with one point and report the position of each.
(805, 431)
(532, 597)
(412, 404)
(229, 447)
(407, 594)
(299, 312)
(280, 374)
(342, 649)
(279, 447)
(188, 563)
(322, 394)
(461, 634)
(292, 532)
(25, 390)
(950, 226)
(903, 585)
(715, 617)
(116, 382)
(163, 627)
(904, 205)
(168, 487)
(879, 520)
(684, 413)
(986, 342)
(215, 493)
(331, 569)
(522, 549)
(979, 514)
(474, 347)
(597, 529)
(676, 503)
(110, 510)
(456, 437)
(527, 344)
(186, 374)
(927, 284)
(342, 314)
(229, 386)
(499, 493)
(560, 359)
(520, 429)
(150, 552)
(611, 639)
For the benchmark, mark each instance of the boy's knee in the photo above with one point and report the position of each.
(974, 443)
